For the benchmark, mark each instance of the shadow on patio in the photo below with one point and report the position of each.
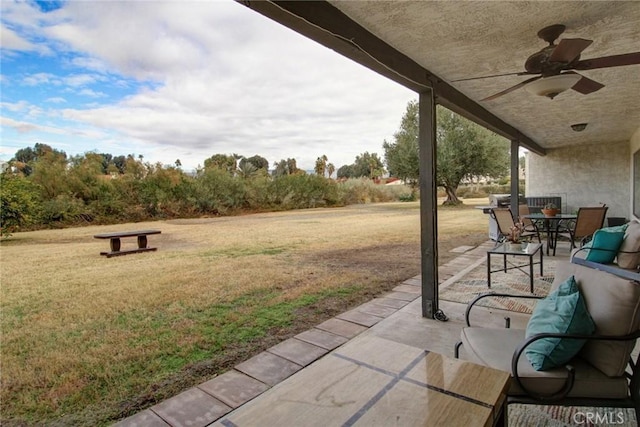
(381, 363)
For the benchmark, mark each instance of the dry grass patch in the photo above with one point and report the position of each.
(89, 340)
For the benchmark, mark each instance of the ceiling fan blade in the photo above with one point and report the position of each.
(520, 73)
(585, 85)
(511, 89)
(569, 49)
(608, 61)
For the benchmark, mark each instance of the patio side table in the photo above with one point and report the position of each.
(529, 252)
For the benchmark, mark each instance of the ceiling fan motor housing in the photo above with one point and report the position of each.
(539, 63)
(554, 65)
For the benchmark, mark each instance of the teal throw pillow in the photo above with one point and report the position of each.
(562, 311)
(605, 246)
(616, 228)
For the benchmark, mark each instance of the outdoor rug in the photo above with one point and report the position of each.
(465, 288)
(559, 416)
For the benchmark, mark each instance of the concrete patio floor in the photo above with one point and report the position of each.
(386, 324)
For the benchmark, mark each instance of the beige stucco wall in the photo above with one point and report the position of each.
(634, 146)
(584, 175)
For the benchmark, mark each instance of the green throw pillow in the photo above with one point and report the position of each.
(562, 311)
(605, 246)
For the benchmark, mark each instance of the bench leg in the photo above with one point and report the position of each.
(115, 245)
(142, 242)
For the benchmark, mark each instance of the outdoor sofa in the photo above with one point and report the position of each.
(578, 362)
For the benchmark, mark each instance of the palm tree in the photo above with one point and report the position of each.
(321, 165)
(330, 169)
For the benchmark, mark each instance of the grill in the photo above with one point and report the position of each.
(504, 200)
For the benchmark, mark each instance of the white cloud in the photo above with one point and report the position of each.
(76, 80)
(56, 100)
(92, 93)
(25, 127)
(38, 79)
(222, 79)
(12, 41)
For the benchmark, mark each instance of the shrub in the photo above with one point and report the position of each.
(364, 190)
(409, 197)
(300, 191)
(20, 204)
(64, 210)
(216, 191)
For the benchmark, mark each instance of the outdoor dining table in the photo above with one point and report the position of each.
(550, 225)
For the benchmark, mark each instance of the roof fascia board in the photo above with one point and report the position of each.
(324, 23)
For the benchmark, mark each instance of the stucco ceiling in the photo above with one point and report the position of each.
(457, 40)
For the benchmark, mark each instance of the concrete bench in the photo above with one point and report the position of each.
(114, 242)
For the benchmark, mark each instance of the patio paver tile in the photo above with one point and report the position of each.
(408, 289)
(341, 327)
(390, 302)
(191, 408)
(462, 249)
(268, 368)
(402, 296)
(322, 338)
(376, 309)
(414, 281)
(298, 351)
(233, 388)
(356, 316)
(145, 418)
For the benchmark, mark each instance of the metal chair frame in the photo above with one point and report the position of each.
(504, 220)
(589, 220)
(559, 398)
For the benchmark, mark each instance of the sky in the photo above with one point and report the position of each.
(183, 80)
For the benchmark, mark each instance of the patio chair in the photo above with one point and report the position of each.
(601, 374)
(504, 220)
(529, 226)
(587, 222)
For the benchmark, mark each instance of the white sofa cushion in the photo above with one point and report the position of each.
(629, 255)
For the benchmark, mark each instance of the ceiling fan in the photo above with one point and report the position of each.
(554, 65)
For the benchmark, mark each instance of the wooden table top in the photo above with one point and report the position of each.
(118, 234)
(371, 381)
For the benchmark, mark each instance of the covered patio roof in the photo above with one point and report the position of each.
(431, 47)
(434, 43)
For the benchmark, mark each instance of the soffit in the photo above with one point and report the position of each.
(457, 40)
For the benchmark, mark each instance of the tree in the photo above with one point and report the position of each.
(120, 162)
(25, 158)
(402, 157)
(330, 169)
(366, 165)
(345, 171)
(222, 161)
(20, 203)
(258, 161)
(286, 167)
(49, 171)
(247, 170)
(321, 165)
(464, 150)
(369, 165)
